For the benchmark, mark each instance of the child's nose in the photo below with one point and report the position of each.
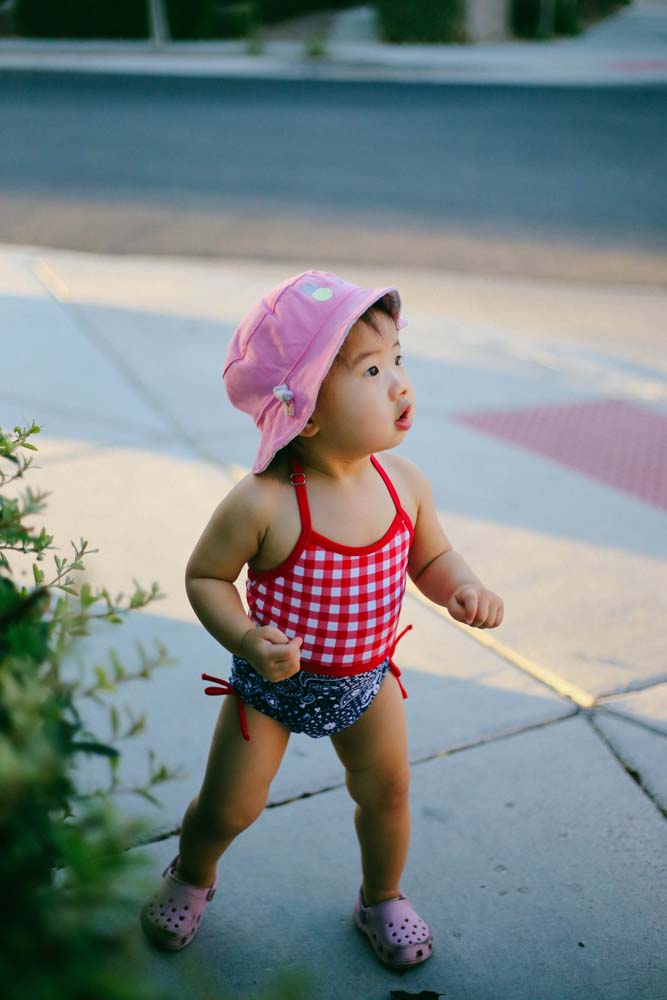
(398, 387)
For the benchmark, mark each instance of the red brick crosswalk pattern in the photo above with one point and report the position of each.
(614, 441)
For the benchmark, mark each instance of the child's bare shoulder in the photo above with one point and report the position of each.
(256, 495)
(239, 526)
(404, 471)
(409, 480)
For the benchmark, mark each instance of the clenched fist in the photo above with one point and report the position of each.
(476, 606)
(271, 653)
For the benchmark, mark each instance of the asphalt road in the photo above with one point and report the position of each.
(565, 182)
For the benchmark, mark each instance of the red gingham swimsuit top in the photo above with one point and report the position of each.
(344, 602)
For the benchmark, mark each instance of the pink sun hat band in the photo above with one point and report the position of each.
(284, 347)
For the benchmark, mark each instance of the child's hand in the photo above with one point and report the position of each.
(476, 606)
(271, 653)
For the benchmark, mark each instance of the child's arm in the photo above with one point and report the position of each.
(441, 573)
(230, 539)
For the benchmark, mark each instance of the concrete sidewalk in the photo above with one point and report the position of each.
(539, 751)
(627, 48)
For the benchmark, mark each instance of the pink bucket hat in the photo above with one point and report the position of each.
(284, 347)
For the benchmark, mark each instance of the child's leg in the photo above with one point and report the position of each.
(234, 791)
(375, 753)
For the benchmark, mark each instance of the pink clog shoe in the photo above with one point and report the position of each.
(170, 918)
(397, 935)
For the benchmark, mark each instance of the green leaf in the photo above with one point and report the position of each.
(90, 746)
(137, 726)
(115, 720)
(147, 795)
(119, 671)
(103, 681)
(162, 774)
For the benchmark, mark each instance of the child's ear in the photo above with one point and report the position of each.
(310, 430)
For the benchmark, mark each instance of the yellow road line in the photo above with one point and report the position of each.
(51, 280)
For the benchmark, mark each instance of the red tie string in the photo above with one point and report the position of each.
(392, 666)
(227, 688)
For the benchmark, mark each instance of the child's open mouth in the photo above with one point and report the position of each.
(404, 422)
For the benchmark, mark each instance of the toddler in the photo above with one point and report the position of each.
(328, 532)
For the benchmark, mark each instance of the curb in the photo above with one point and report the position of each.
(515, 64)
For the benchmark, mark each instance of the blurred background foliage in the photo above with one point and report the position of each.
(542, 18)
(81, 19)
(70, 928)
(420, 21)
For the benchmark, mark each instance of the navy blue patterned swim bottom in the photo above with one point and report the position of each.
(314, 704)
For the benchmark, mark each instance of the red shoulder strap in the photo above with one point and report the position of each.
(392, 492)
(388, 483)
(297, 478)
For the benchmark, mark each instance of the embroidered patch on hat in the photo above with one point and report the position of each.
(318, 292)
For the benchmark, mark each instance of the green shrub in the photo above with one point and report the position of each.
(527, 18)
(70, 931)
(593, 10)
(422, 21)
(281, 10)
(82, 19)
(569, 16)
(236, 20)
(193, 19)
(190, 19)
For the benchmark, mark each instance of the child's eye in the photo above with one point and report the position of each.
(399, 359)
(373, 370)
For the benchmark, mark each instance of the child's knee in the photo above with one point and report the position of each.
(226, 820)
(380, 790)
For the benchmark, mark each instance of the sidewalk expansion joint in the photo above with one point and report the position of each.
(639, 723)
(501, 734)
(549, 678)
(631, 772)
(158, 837)
(633, 688)
(95, 419)
(56, 288)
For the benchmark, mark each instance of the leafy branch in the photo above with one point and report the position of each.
(10, 450)
(32, 623)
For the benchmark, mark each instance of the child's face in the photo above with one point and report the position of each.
(367, 400)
